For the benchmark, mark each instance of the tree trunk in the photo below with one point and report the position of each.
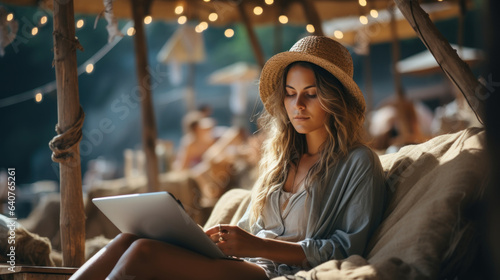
(147, 110)
(70, 120)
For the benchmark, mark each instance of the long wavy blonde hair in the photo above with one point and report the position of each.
(284, 146)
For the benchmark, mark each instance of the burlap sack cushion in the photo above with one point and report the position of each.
(426, 233)
(230, 208)
(434, 185)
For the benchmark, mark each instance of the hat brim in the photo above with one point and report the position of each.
(275, 66)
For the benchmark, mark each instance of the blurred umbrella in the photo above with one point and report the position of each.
(185, 46)
(239, 76)
(237, 72)
(424, 63)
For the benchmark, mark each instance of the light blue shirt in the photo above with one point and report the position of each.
(333, 221)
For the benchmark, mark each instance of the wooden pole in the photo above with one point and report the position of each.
(406, 114)
(69, 113)
(312, 16)
(396, 54)
(147, 110)
(367, 65)
(190, 95)
(259, 55)
(453, 66)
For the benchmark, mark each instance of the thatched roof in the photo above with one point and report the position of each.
(226, 10)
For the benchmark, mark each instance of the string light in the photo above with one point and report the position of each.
(310, 28)
(89, 68)
(198, 29)
(148, 19)
(10, 17)
(338, 34)
(34, 31)
(80, 23)
(182, 19)
(43, 20)
(203, 25)
(52, 86)
(269, 2)
(179, 9)
(363, 19)
(229, 33)
(213, 17)
(258, 10)
(374, 13)
(206, 0)
(362, 3)
(38, 97)
(130, 31)
(283, 19)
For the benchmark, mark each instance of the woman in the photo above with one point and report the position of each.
(320, 194)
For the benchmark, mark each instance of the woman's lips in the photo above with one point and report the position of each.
(300, 118)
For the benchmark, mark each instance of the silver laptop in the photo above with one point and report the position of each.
(159, 216)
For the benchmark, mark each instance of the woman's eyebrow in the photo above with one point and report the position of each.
(308, 87)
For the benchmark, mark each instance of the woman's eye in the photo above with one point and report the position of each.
(289, 93)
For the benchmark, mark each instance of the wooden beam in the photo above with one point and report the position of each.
(69, 113)
(312, 16)
(453, 66)
(144, 90)
(257, 50)
(396, 53)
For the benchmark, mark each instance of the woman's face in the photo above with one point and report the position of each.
(301, 102)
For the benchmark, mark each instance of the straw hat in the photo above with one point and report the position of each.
(320, 50)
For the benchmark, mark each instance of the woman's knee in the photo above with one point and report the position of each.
(141, 249)
(124, 240)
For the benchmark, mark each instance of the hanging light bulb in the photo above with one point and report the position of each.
(182, 19)
(362, 3)
(258, 10)
(10, 17)
(34, 31)
(283, 19)
(203, 25)
(338, 34)
(89, 68)
(130, 31)
(79, 23)
(38, 97)
(148, 19)
(179, 9)
(374, 13)
(229, 33)
(269, 2)
(363, 20)
(310, 28)
(213, 17)
(43, 20)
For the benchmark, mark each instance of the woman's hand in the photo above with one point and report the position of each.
(234, 241)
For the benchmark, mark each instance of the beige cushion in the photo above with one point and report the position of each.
(433, 185)
(229, 208)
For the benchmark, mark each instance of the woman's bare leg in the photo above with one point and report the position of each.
(150, 259)
(101, 264)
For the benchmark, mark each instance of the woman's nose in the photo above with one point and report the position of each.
(299, 102)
